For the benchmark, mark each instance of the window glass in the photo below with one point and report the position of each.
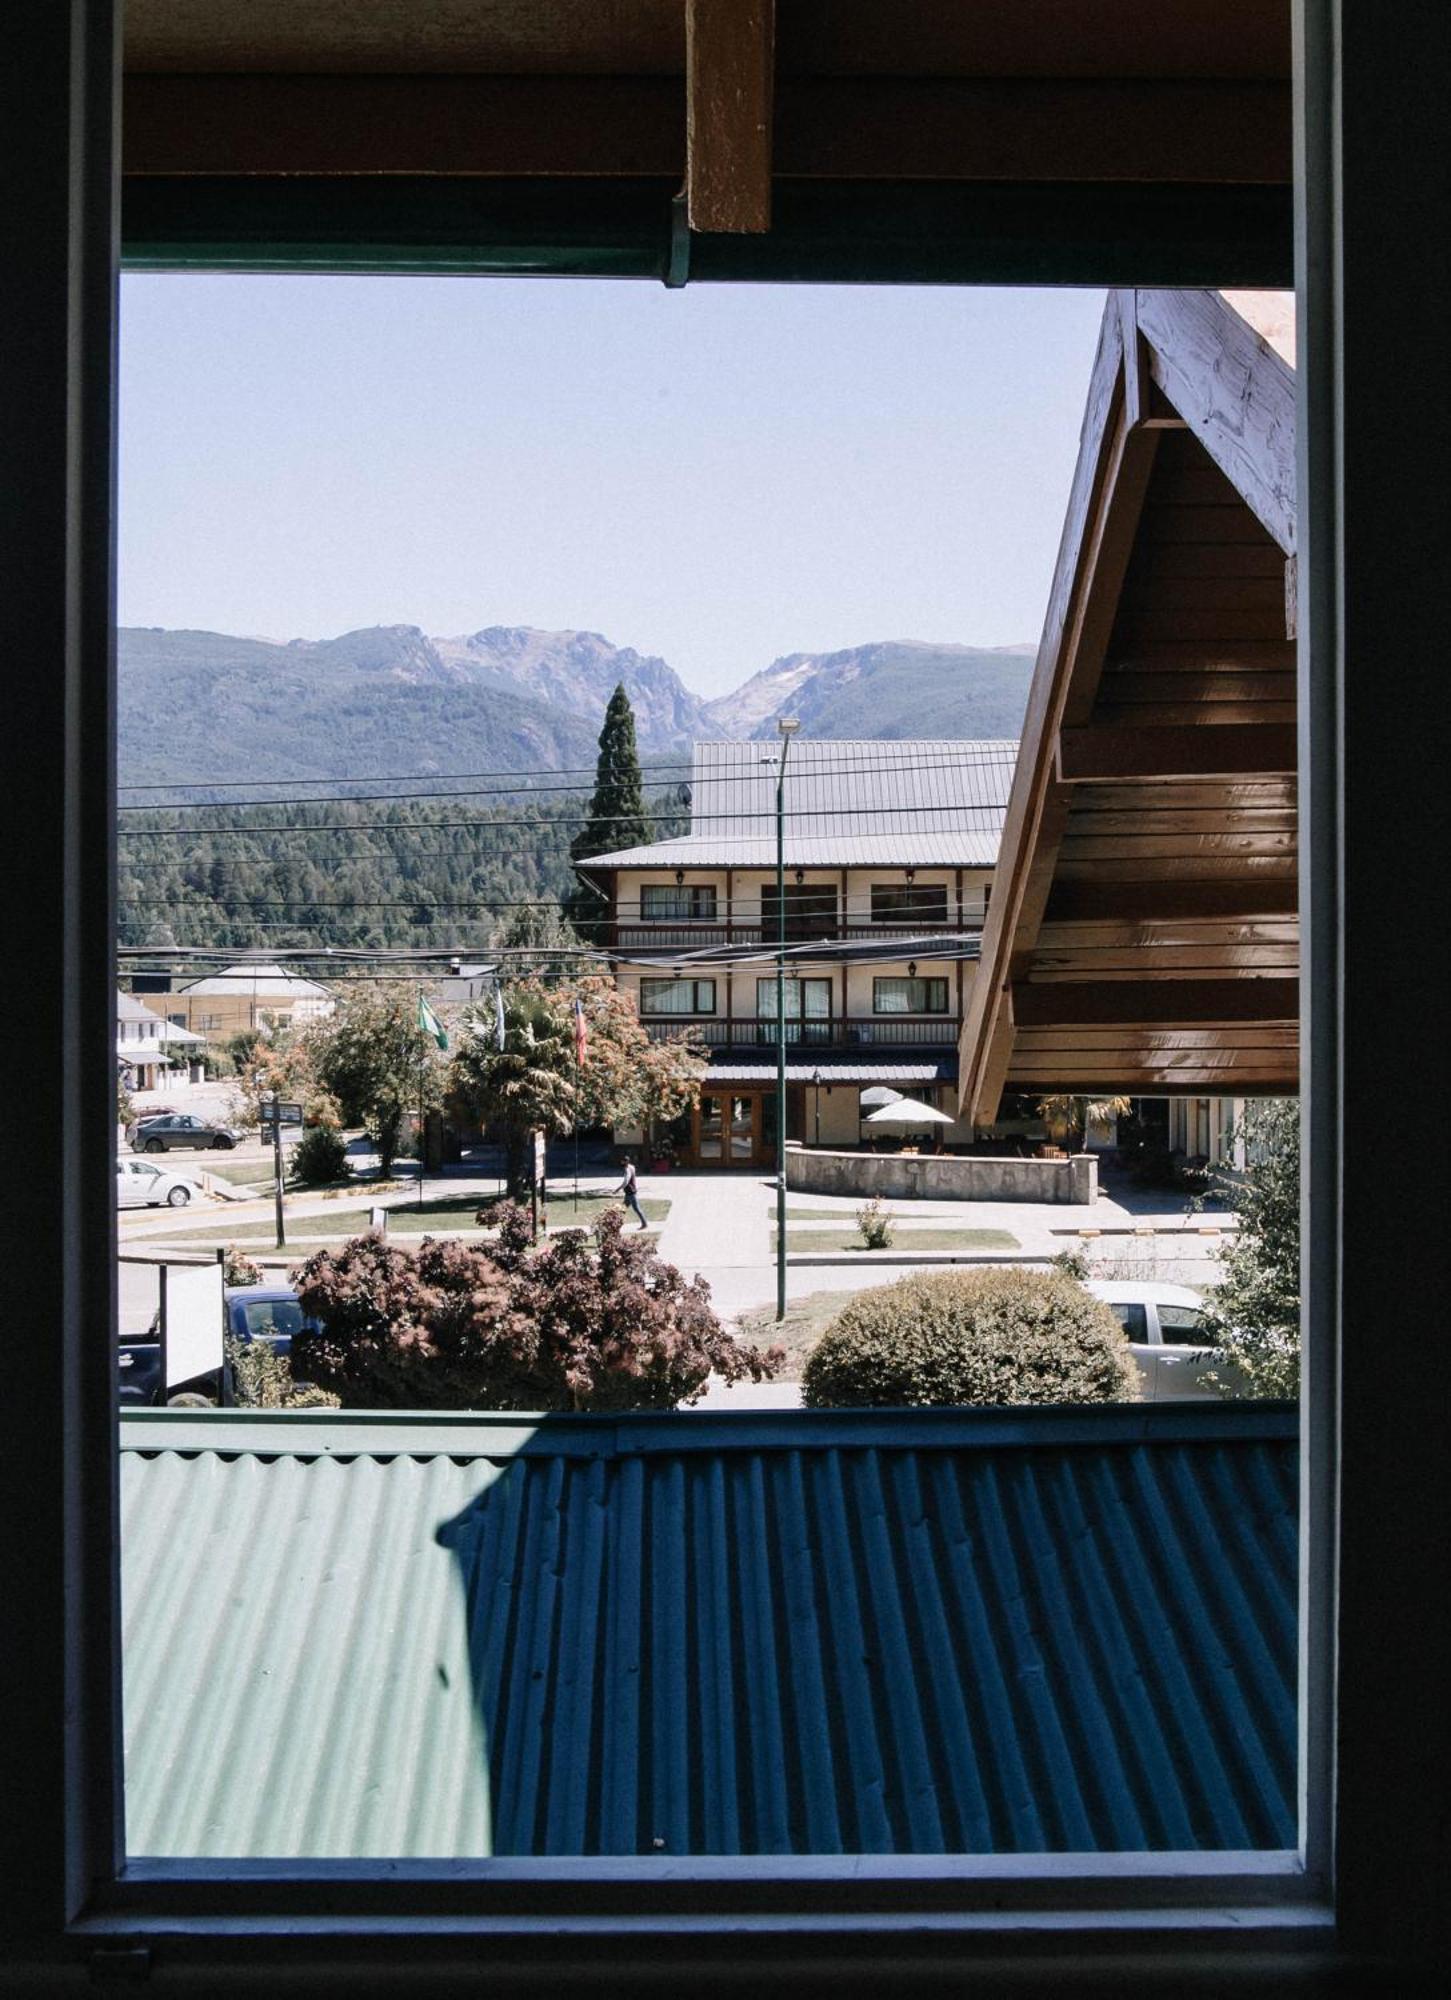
(806, 999)
(1134, 1319)
(909, 903)
(674, 903)
(677, 996)
(810, 910)
(272, 1316)
(909, 996)
(1180, 1322)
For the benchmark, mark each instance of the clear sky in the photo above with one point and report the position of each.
(719, 475)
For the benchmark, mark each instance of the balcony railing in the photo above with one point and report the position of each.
(890, 1031)
(631, 934)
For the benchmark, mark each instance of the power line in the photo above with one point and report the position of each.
(946, 756)
(764, 817)
(811, 768)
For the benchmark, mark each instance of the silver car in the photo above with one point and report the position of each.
(1163, 1324)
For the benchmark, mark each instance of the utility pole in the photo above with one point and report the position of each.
(276, 1111)
(787, 728)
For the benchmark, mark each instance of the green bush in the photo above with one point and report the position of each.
(262, 1379)
(875, 1224)
(320, 1156)
(979, 1337)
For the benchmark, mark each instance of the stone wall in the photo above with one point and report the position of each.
(943, 1176)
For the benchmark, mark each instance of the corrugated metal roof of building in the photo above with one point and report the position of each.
(931, 802)
(769, 1633)
(247, 980)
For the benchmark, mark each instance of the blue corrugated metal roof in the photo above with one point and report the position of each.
(772, 1633)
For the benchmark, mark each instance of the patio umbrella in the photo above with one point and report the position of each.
(909, 1111)
(880, 1093)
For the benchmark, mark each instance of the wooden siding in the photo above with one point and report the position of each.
(1154, 946)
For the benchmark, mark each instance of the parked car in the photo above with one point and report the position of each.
(163, 1132)
(1162, 1323)
(140, 1184)
(254, 1312)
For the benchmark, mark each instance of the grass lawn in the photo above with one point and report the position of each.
(902, 1239)
(805, 1322)
(240, 1173)
(439, 1216)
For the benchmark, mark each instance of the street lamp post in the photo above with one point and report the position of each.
(787, 728)
(816, 1080)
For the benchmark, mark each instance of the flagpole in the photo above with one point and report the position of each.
(578, 1068)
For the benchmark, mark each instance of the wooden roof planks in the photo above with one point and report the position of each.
(1143, 934)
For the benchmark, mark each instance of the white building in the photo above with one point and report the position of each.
(889, 854)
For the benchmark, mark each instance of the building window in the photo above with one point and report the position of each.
(909, 903)
(810, 911)
(665, 903)
(676, 996)
(909, 996)
(806, 999)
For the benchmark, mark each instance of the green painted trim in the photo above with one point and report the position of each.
(824, 232)
(507, 1434)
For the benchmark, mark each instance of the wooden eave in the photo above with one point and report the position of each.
(715, 93)
(1143, 933)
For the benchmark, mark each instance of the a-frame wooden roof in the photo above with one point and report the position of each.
(1143, 935)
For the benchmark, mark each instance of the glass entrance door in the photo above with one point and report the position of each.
(727, 1129)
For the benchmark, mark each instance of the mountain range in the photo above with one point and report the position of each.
(201, 708)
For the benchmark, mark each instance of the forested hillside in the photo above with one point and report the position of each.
(429, 872)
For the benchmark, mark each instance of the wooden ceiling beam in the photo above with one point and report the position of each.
(730, 63)
(1095, 754)
(1163, 1003)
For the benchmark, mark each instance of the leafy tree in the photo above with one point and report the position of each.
(534, 1083)
(242, 1048)
(539, 939)
(1068, 1118)
(1252, 1317)
(592, 1321)
(287, 1064)
(618, 816)
(377, 1062)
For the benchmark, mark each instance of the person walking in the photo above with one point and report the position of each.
(628, 1188)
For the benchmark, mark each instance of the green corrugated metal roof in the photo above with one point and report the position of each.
(765, 1633)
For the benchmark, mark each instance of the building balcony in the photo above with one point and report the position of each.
(882, 1031)
(630, 934)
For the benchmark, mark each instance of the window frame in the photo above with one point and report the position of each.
(1370, 1795)
(924, 980)
(692, 986)
(693, 894)
(909, 893)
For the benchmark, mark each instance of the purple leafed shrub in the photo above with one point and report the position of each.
(588, 1321)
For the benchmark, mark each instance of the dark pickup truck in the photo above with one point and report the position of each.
(254, 1312)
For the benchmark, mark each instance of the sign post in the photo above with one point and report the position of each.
(277, 1114)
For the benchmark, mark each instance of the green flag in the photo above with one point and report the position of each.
(429, 1023)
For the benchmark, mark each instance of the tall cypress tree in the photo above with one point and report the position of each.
(618, 816)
